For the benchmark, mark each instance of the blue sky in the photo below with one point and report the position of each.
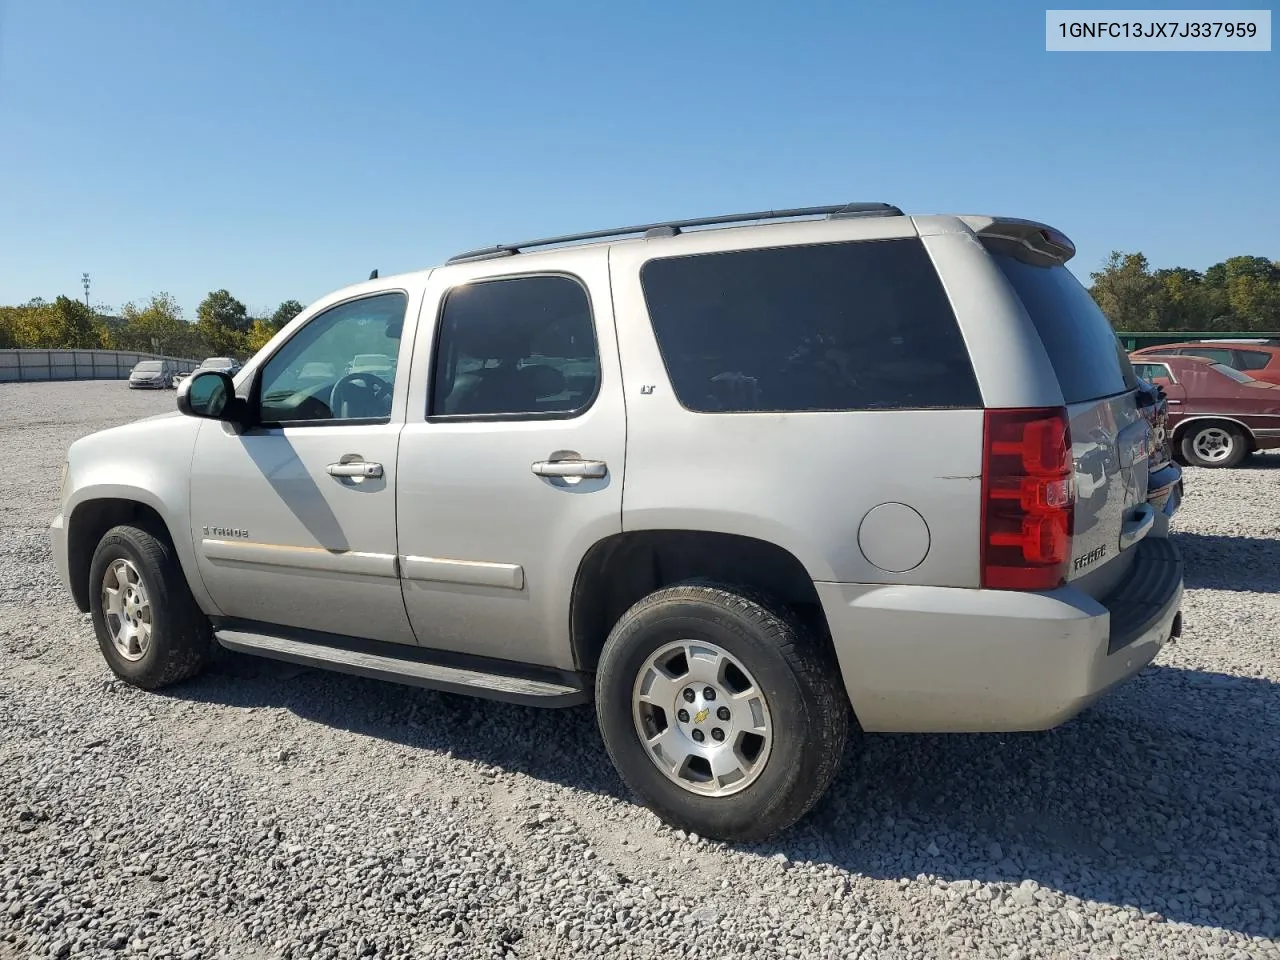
(282, 149)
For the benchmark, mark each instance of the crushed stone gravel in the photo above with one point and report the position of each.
(266, 811)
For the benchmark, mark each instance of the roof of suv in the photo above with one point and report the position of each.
(1041, 242)
(1008, 228)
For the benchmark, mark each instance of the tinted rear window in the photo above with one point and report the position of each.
(841, 326)
(1085, 352)
(1253, 359)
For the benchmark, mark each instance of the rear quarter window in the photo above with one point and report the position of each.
(841, 326)
(1086, 354)
(1253, 359)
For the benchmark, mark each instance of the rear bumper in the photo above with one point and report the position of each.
(943, 659)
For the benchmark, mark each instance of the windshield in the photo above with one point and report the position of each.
(148, 366)
(217, 363)
(1233, 373)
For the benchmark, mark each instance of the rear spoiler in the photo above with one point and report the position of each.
(1028, 240)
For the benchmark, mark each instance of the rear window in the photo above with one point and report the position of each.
(1253, 359)
(1085, 352)
(841, 326)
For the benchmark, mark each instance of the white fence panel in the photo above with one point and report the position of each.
(29, 365)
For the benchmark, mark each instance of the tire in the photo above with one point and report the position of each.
(1214, 444)
(805, 710)
(178, 641)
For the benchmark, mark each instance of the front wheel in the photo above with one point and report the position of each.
(1214, 445)
(149, 628)
(720, 711)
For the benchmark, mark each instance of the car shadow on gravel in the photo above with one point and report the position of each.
(1165, 797)
(1223, 562)
(1267, 460)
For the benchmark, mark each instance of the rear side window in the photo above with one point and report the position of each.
(841, 326)
(1085, 352)
(516, 348)
(1152, 371)
(1253, 359)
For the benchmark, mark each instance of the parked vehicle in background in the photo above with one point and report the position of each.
(1164, 475)
(228, 365)
(153, 375)
(375, 363)
(1259, 359)
(1218, 415)
(726, 481)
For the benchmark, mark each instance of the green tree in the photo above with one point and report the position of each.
(224, 323)
(258, 335)
(1127, 292)
(63, 324)
(155, 326)
(8, 327)
(284, 313)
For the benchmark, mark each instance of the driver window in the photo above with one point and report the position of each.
(340, 366)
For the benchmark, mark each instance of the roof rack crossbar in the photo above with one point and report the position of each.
(672, 227)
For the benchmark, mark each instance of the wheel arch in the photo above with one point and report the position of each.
(89, 521)
(623, 568)
(1180, 431)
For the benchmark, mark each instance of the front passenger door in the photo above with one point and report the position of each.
(293, 519)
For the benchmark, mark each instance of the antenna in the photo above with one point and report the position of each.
(84, 279)
(374, 275)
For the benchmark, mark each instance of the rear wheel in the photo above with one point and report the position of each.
(149, 628)
(720, 711)
(1214, 445)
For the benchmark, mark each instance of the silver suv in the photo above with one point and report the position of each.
(753, 484)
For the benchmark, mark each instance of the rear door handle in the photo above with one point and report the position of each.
(581, 469)
(355, 468)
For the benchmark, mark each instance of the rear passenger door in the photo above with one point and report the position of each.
(511, 461)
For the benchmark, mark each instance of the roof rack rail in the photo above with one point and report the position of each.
(674, 227)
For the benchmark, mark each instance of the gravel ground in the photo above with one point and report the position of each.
(269, 812)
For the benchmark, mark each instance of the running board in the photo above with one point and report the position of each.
(414, 666)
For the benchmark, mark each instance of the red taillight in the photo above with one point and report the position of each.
(1028, 499)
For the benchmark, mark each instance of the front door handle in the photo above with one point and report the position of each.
(355, 468)
(579, 469)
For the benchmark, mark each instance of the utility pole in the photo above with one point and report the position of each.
(84, 279)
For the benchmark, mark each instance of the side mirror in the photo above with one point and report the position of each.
(210, 394)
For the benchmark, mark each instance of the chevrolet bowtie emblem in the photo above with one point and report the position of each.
(701, 715)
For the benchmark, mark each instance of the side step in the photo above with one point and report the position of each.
(415, 666)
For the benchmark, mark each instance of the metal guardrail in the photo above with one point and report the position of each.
(31, 365)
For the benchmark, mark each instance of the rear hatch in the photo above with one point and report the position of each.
(1110, 438)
